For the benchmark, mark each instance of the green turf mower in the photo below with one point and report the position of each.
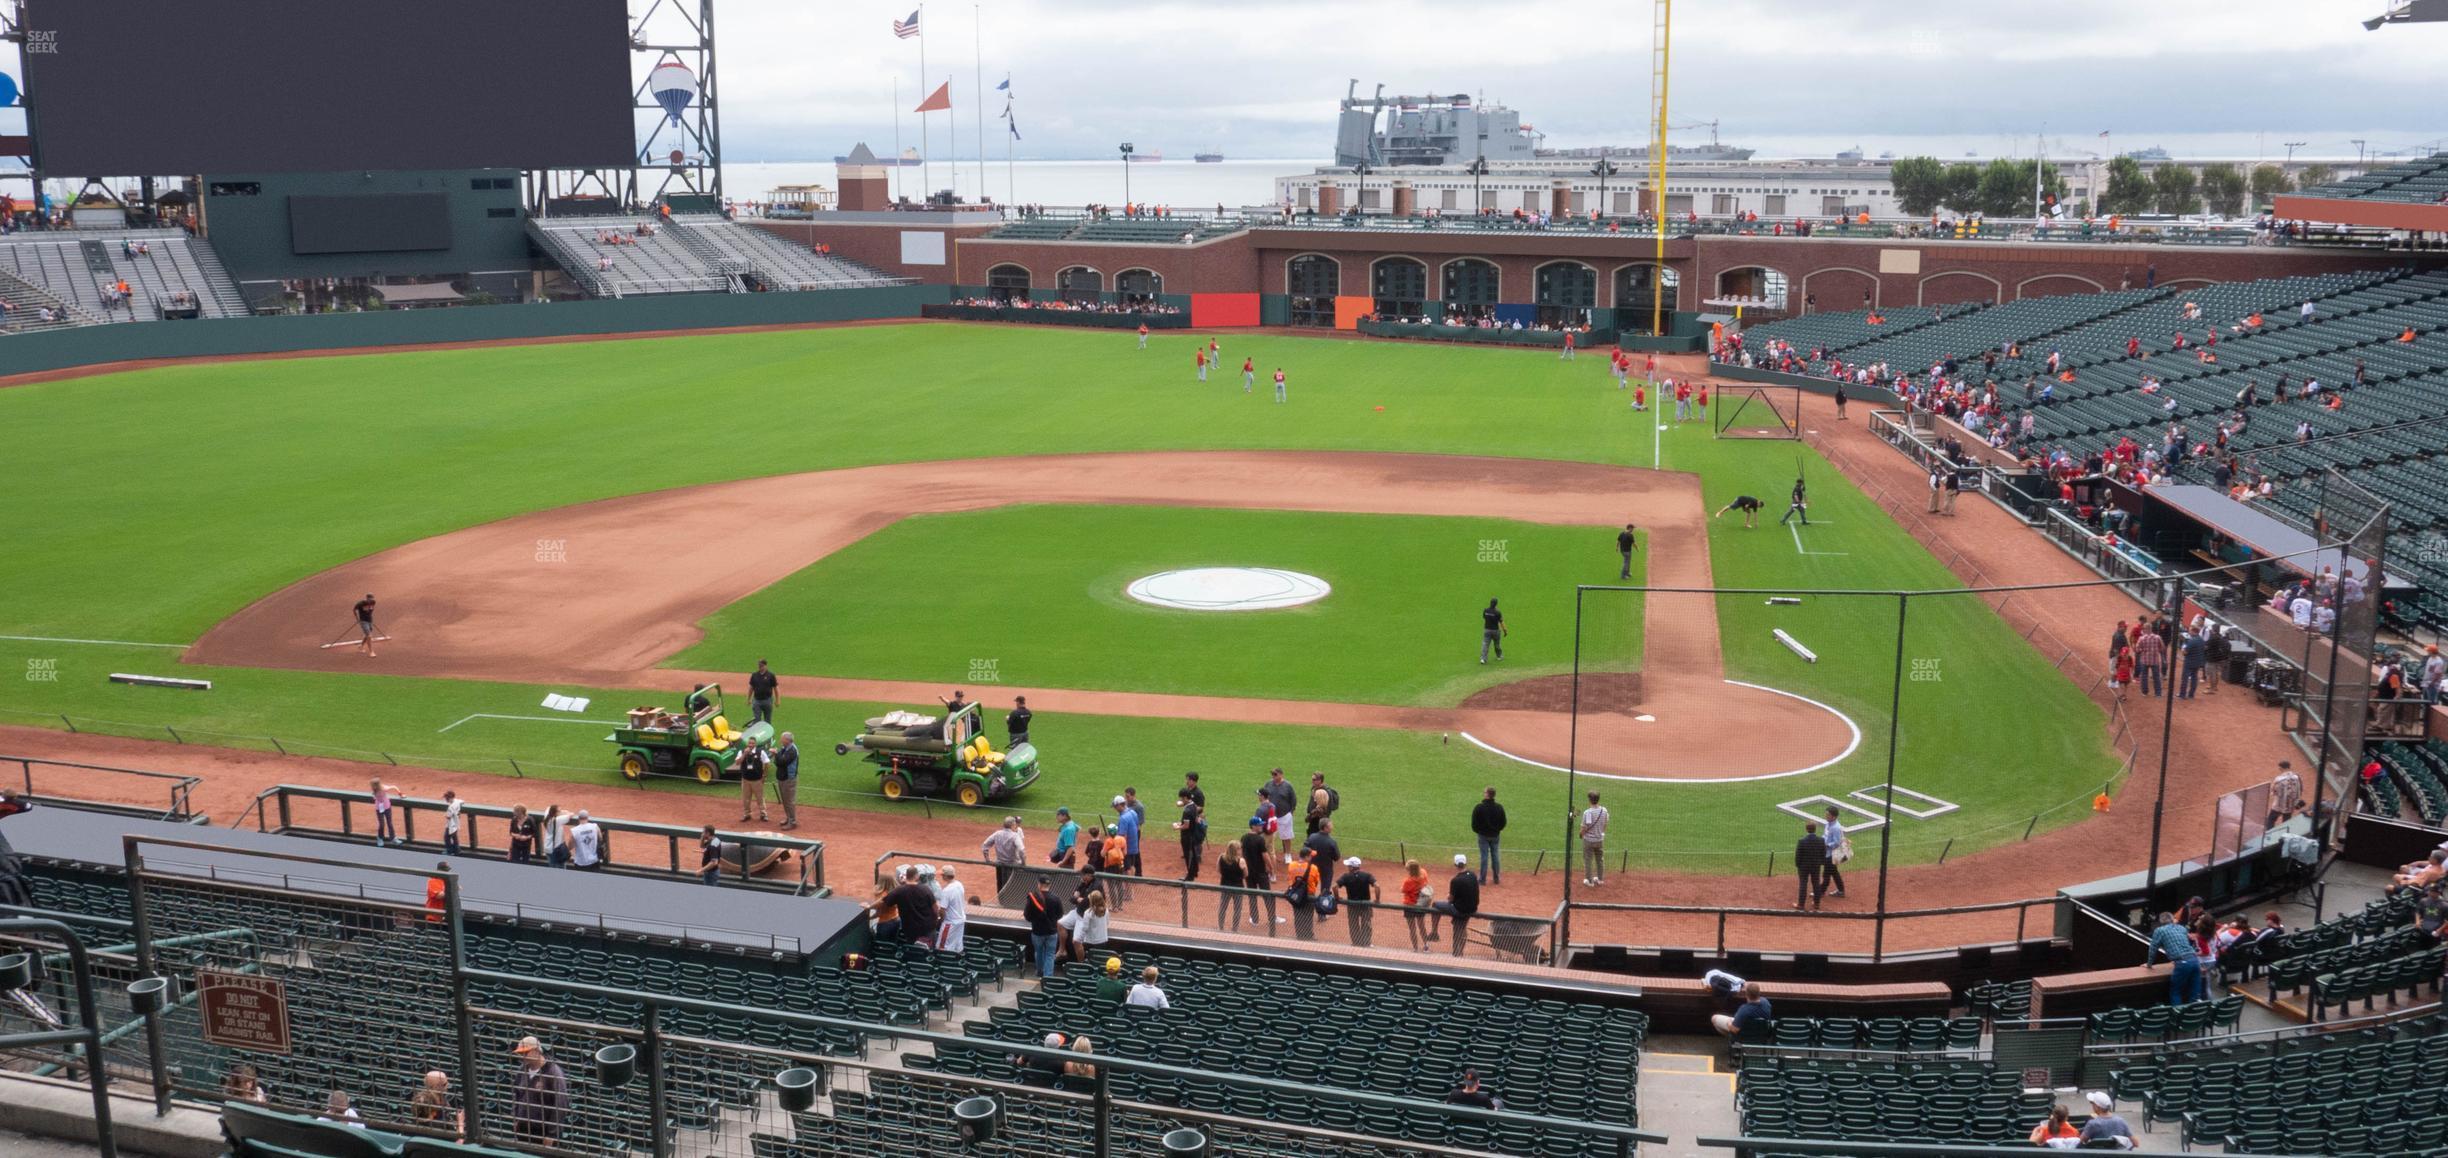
(698, 741)
(942, 755)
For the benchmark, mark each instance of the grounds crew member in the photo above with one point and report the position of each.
(365, 624)
(1491, 631)
(1625, 542)
(1017, 723)
(1750, 507)
(1799, 505)
(761, 688)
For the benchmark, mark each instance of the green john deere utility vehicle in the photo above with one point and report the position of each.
(942, 755)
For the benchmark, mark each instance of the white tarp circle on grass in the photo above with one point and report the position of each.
(1228, 589)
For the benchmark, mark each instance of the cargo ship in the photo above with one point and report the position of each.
(1210, 157)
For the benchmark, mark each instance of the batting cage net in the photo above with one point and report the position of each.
(1714, 724)
(1770, 412)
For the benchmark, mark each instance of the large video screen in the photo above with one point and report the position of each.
(135, 87)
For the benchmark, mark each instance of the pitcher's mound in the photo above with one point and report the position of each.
(1228, 589)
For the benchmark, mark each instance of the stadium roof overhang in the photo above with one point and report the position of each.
(2264, 534)
(2359, 211)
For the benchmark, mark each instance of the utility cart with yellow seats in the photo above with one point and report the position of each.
(947, 754)
(696, 741)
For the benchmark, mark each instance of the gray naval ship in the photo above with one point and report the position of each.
(1456, 129)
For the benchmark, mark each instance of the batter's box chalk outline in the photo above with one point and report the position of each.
(1935, 806)
(1817, 811)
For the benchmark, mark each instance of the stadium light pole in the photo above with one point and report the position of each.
(1603, 170)
(1359, 206)
(1126, 164)
(2358, 144)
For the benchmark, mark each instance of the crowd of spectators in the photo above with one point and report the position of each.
(1149, 306)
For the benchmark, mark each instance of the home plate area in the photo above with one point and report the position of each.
(1916, 805)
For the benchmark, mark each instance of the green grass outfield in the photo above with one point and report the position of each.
(158, 502)
(1037, 593)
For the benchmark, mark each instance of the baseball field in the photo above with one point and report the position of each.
(889, 512)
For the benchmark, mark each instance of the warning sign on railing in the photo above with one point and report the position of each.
(242, 1011)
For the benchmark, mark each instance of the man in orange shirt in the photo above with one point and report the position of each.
(1202, 363)
(437, 893)
(1249, 374)
(1143, 335)
(1683, 394)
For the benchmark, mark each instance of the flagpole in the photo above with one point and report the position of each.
(977, 18)
(896, 156)
(1011, 132)
(926, 149)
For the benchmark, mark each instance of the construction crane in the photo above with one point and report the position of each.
(1661, 41)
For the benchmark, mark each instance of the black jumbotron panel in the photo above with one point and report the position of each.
(136, 87)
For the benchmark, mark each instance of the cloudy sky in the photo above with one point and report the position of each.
(1259, 78)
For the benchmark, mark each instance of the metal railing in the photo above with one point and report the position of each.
(1184, 904)
(280, 809)
(1105, 1108)
(1814, 1148)
(1844, 928)
(179, 786)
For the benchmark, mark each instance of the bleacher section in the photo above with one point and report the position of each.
(2416, 781)
(1183, 230)
(1940, 1101)
(2358, 319)
(358, 987)
(776, 261)
(2423, 182)
(1562, 1059)
(2373, 1091)
(172, 275)
(31, 307)
(616, 257)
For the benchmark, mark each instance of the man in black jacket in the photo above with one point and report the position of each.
(1461, 903)
(1810, 864)
(1488, 820)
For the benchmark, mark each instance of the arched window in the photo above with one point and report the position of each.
(1471, 290)
(1312, 281)
(1756, 282)
(1080, 284)
(1008, 283)
(1136, 287)
(1400, 286)
(1566, 293)
(1643, 292)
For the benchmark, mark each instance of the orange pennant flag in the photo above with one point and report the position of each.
(938, 101)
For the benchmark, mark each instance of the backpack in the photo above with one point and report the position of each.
(1334, 800)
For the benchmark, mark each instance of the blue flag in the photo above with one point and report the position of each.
(1005, 86)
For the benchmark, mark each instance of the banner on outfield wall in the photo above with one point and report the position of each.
(1223, 310)
(1349, 309)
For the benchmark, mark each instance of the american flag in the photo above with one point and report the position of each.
(907, 28)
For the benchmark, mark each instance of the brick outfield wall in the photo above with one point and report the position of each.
(1838, 271)
(877, 244)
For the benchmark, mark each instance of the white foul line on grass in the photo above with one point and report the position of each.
(1850, 747)
(93, 642)
(1799, 549)
(536, 719)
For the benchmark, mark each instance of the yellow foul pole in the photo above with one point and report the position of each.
(1661, 40)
